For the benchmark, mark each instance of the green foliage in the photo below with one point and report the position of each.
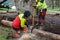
(55, 9)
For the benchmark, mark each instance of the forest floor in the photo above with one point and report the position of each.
(53, 20)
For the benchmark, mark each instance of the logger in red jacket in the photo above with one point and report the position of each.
(19, 23)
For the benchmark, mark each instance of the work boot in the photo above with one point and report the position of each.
(17, 35)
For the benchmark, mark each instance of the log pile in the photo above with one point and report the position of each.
(8, 16)
(37, 32)
(7, 23)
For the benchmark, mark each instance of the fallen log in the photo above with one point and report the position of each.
(53, 22)
(7, 23)
(53, 13)
(9, 15)
(30, 36)
(46, 34)
(36, 31)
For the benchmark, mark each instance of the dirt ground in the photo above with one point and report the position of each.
(4, 30)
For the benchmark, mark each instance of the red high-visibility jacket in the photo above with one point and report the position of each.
(16, 23)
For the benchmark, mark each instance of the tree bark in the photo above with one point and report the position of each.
(17, 4)
(46, 34)
(52, 4)
(13, 15)
(7, 23)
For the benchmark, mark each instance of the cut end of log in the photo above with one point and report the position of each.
(7, 23)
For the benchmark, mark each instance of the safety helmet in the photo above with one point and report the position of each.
(27, 13)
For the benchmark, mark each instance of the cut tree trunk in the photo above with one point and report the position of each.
(46, 34)
(13, 15)
(30, 36)
(7, 23)
(8, 16)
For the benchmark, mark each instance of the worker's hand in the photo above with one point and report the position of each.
(25, 29)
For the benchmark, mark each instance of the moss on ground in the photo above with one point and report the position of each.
(4, 30)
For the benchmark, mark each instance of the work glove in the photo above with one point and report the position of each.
(25, 29)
